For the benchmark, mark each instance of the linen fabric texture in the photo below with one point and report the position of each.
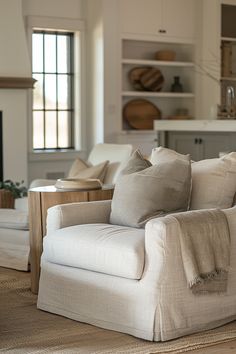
(159, 306)
(161, 154)
(214, 183)
(205, 249)
(104, 248)
(14, 219)
(81, 169)
(150, 192)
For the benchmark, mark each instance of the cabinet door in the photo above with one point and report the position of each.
(140, 16)
(213, 144)
(186, 143)
(179, 18)
(201, 145)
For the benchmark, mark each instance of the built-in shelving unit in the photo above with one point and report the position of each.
(228, 53)
(139, 53)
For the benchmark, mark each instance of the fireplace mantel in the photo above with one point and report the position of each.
(16, 82)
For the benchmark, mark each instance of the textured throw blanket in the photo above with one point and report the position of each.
(205, 248)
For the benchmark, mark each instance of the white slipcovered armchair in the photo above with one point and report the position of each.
(132, 279)
(126, 279)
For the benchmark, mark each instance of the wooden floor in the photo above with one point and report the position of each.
(226, 348)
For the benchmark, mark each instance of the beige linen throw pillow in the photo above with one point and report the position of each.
(81, 169)
(149, 192)
(163, 154)
(214, 182)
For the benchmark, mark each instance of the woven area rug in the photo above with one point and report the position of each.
(24, 329)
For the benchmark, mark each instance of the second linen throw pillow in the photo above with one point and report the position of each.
(150, 191)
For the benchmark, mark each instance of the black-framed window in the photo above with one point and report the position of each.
(53, 104)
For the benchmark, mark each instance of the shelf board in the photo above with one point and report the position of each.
(230, 39)
(157, 62)
(228, 78)
(213, 125)
(158, 94)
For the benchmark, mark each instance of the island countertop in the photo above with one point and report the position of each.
(207, 125)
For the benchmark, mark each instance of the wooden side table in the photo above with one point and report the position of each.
(42, 198)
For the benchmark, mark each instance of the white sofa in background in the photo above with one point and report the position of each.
(14, 237)
(131, 279)
(116, 154)
(14, 229)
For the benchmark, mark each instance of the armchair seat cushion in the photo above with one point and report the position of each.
(110, 249)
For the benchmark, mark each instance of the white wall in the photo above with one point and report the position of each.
(54, 8)
(14, 62)
(95, 73)
(112, 55)
(14, 58)
(210, 63)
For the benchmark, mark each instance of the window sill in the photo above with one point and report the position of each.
(55, 155)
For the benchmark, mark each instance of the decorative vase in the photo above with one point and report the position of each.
(176, 86)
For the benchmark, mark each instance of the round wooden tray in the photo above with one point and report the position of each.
(152, 80)
(140, 114)
(135, 75)
(78, 184)
(146, 78)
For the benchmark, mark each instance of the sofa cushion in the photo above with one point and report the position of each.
(214, 182)
(14, 219)
(81, 169)
(154, 191)
(161, 154)
(104, 248)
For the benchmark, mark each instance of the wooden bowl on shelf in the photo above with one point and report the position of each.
(140, 114)
(165, 55)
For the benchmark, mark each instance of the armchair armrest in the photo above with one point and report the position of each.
(177, 305)
(64, 215)
(162, 245)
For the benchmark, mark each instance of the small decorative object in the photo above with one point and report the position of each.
(176, 86)
(140, 114)
(165, 55)
(180, 113)
(146, 78)
(228, 110)
(224, 112)
(78, 184)
(226, 52)
(9, 191)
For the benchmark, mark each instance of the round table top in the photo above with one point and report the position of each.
(53, 189)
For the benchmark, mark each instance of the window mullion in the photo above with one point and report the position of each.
(44, 99)
(57, 93)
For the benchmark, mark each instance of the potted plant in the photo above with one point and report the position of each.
(9, 191)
